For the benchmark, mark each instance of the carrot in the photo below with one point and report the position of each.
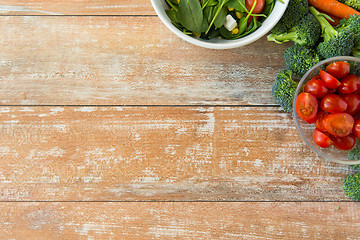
(333, 7)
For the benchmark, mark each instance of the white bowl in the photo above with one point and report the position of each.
(160, 6)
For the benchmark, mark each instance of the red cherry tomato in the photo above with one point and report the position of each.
(338, 69)
(333, 103)
(329, 80)
(258, 7)
(356, 129)
(344, 143)
(338, 124)
(321, 139)
(349, 84)
(353, 103)
(316, 87)
(319, 124)
(307, 107)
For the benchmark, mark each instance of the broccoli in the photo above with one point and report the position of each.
(307, 32)
(336, 41)
(300, 59)
(352, 3)
(351, 186)
(284, 88)
(354, 154)
(292, 15)
(353, 24)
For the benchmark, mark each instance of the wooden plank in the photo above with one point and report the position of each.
(160, 154)
(76, 7)
(236, 220)
(126, 61)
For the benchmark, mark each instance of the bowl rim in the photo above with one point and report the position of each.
(295, 115)
(270, 21)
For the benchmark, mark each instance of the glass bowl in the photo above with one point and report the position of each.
(306, 130)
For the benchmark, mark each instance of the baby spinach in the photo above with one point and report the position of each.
(238, 5)
(206, 18)
(191, 16)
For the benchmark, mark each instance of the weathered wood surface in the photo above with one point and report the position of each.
(105, 104)
(290, 221)
(76, 7)
(46, 60)
(160, 153)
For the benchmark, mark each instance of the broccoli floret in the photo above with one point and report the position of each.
(354, 154)
(356, 51)
(352, 24)
(351, 186)
(352, 3)
(284, 88)
(356, 167)
(292, 15)
(307, 32)
(300, 59)
(336, 41)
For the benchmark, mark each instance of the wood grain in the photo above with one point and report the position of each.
(76, 7)
(290, 221)
(160, 154)
(52, 60)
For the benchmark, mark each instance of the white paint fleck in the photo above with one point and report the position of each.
(85, 109)
(8, 8)
(258, 163)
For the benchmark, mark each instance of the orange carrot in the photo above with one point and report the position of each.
(334, 8)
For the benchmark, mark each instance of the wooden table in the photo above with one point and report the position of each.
(114, 128)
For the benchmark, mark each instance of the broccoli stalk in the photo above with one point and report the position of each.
(351, 186)
(295, 10)
(307, 32)
(336, 41)
(300, 59)
(283, 89)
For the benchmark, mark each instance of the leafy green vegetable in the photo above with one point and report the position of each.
(206, 18)
(218, 8)
(191, 15)
(238, 5)
(220, 19)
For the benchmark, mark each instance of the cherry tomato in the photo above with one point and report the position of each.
(344, 143)
(319, 124)
(338, 124)
(321, 139)
(307, 107)
(329, 80)
(356, 129)
(338, 69)
(349, 84)
(316, 87)
(333, 103)
(258, 7)
(353, 103)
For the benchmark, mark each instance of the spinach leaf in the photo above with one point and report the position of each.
(172, 15)
(220, 18)
(238, 5)
(172, 4)
(191, 16)
(208, 13)
(208, 3)
(218, 8)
